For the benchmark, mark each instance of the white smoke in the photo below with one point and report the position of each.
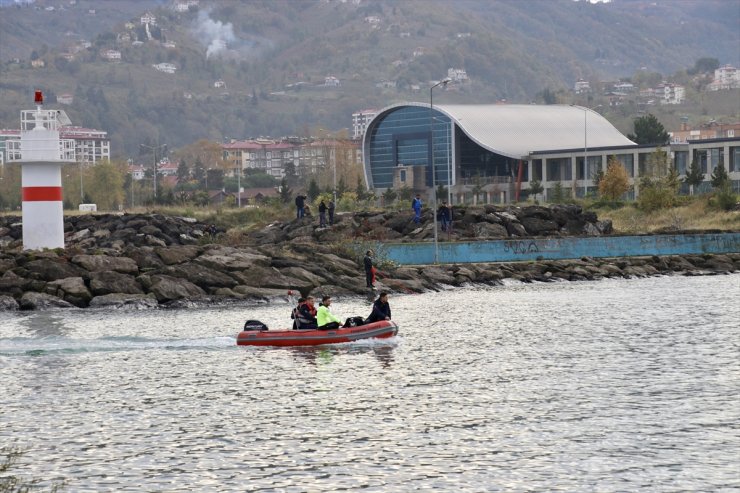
(215, 35)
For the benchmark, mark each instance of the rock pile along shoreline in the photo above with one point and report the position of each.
(152, 260)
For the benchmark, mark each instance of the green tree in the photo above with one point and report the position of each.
(360, 189)
(659, 183)
(106, 187)
(286, 193)
(719, 176)
(648, 130)
(535, 188)
(704, 65)
(694, 176)
(559, 194)
(183, 172)
(389, 196)
(615, 182)
(313, 190)
(405, 194)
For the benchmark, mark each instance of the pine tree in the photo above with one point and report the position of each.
(313, 190)
(694, 176)
(719, 176)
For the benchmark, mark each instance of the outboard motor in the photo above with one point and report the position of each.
(254, 325)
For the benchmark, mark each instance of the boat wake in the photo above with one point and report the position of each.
(27, 346)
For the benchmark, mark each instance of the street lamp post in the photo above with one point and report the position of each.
(443, 82)
(154, 153)
(82, 190)
(585, 143)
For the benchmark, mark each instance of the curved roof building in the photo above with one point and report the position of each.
(482, 143)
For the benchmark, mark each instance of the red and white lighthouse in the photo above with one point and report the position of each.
(42, 154)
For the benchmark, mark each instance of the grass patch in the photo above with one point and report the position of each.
(697, 214)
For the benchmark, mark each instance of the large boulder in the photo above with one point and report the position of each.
(490, 230)
(226, 258)
(41, 301)
(108, 282)
(48, 269)
(168, 288)
(178, 254)
(536, 226)
(95, 263)
(129, 301)
(201, 275)
(8, 303)
(71, 289)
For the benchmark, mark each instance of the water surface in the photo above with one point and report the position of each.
(617, 385)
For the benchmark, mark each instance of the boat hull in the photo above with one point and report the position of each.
(376, 330)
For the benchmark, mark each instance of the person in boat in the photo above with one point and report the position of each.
(307, 315)
(325, 318)
(381, 309)
(294, 313)
(369, 269)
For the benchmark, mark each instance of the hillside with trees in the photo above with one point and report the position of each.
(245, 69)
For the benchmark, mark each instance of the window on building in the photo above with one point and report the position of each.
(628, 161)
(681, 161)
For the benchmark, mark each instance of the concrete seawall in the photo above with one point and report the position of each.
(523, 249)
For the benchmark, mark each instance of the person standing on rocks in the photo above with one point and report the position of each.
(443, 214)
(300, 203)
(331, 212)
(416, 205)
(322, 214)
(369, 269)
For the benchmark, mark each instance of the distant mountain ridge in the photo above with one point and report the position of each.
(245, 69)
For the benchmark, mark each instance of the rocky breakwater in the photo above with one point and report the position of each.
(147, 261)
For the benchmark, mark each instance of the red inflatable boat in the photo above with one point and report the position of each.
(376, 330)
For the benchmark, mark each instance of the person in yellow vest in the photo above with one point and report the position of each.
(326, 319)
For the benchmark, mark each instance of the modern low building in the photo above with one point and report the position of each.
(491, 153)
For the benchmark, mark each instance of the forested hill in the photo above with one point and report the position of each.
(273, 57)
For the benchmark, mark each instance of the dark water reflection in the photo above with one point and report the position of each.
(606, 386)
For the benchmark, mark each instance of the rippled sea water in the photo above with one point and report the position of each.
(616, 385)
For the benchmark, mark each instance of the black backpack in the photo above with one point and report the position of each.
(254, 325)
(354, 322)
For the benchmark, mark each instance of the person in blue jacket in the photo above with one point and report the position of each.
(416, 205)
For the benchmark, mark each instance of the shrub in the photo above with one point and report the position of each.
(615, 182)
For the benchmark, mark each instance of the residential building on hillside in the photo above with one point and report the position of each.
(331, 81)
(725, 77)
(167, 68)
(38, 63)
(670, 93)
(306, 156)
(91, 146)
(112, 55)
(65, 98)
(710, 130)
(148, 18)
(360, 120)
(582, 86)
(457, 75)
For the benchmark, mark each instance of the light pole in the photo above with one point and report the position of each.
(82, 190)
(239, 186)
(443, 82)
(585, 141)
(154, 153)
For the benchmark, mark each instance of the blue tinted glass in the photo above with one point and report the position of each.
(402, 137)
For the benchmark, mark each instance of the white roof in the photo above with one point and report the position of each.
(516, 130)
